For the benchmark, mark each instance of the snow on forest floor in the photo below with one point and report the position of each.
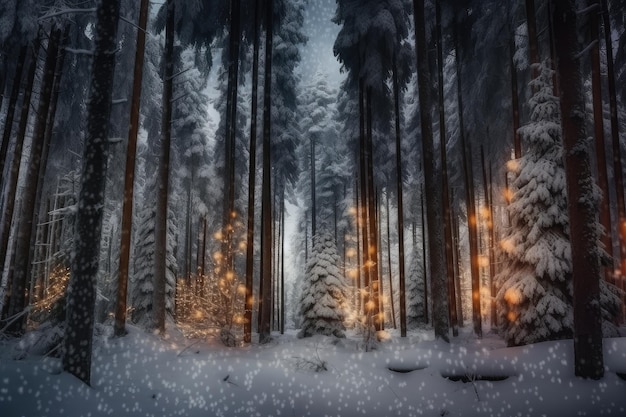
(144, 375)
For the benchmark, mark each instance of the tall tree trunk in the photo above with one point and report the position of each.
(21, 266)
(129, 178)
(399, 177)
(12, 181)
(63, 39)
(362, 209)
(517, 143)
(617, 150)
(600, 149)
(533, 41)
(266, 190)
(490, 236)
(247, 331)
(424, 256)
(313, 186)
(231, 132)
(282, 262)
(160, 228)
(444, 167)
(433, 184)
(10, 115)
(588, 358)
(470, 202)
(372, 218)
(391, 294)
(81, 294)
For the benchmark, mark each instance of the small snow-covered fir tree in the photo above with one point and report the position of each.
(142, 280)
(534, 298)
(324, 297)
(415, 292)
(535, 295)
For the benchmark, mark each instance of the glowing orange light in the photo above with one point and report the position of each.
(218, 235)
(507, 194)
(351, 252)
(483, 261)
(511, 316)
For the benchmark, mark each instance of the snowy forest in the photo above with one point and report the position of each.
(296, 186)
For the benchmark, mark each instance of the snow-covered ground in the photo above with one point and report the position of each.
(144, 375)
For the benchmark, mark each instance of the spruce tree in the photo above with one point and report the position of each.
(324, 296)
(534, 298)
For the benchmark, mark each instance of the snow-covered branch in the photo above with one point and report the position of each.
(587, 49)
(66, 11)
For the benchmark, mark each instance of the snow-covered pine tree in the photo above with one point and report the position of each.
(534, 299)
(142, 287)
(535, 296)
(415, 291)
(324, 297)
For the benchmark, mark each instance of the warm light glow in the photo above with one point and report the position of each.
(352, 210)
(241, 289)
(230, 275)
(472, 220)
(484, 212)
(507, 245)
(483, 261)
(507, 194)
(513, 165)
(233, 214)
(513, 296)
(242, 245)
(511, 316)
(219, 235)
(351, 252)
(197, 314)
(353, 273)
(370, 305)
(218, 256)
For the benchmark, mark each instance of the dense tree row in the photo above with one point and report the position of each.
(178, 215)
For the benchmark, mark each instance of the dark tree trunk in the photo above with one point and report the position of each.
(266, 190)
(160, 228)
(444, 166)
(598, 123)
(362, 209)
(391, 295)
(16, 302)
(433, 184)
(247, 330)
(490, 236)
(617, 150)
(231, 132)
(313, 197)
(129, 178)
(371, 209)
(588, 358)
(424, 256)
(282, 262)
(401, 271)
(533, 41)
(81, 294)
(21, 266)
(517, 143)
(472, 224)
(10, 115)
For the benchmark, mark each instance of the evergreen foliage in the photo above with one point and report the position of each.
(415, 291)
(324, 297)
(535, 296)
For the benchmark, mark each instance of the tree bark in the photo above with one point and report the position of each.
(129, 178)
(582, 207)
(433, 184)
(600, 151)
(12, 180)
(401, 266)
(472, 224)
(617, 150)
(247, 331)
(10, 115)
(81, 294)
(266, 193)
(160, 229)
(231, 132)
(444, 167)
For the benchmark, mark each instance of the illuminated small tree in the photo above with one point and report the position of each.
(324, 298)
(535, 288)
